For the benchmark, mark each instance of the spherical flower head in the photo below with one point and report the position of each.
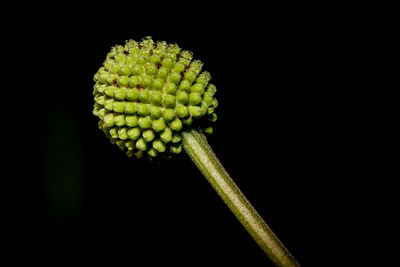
(146, 93)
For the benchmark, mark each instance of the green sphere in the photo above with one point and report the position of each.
(147, 92)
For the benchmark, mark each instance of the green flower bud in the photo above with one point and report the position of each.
(203, 78)
(152, 152)
(176, 124)
(130, 60)
(102, 112)
(119, 106)
(208, 130)
(190, 76)
(101, 126)
(151, 70)
(115, 68)
(134, 81)
(215, 103)
(174, 78)
(100, 99)
(137, 70)
(109, 120)
(169, 101)
(101, 88)
(131, 94)
(176, 138)
(162, 73)
(148, 135)
(197, 87)
(204, 107)
(125, 71)
(96, 109)
(109, 91)
(182, 97)
(186, 57)
(181, 110)
(210, 110)
(119, 58)
(158, 84)
(196, 66)
(107, 64)
(194, 98)
(134, 133)
(123, 81)
(130, 108)
(144, 122)
(155, 112)
(175, 148)
(130, 145)
(158, 125)
(109, 104)
(159, 146)
(168, 114)
(212, 117)
(143, 109)
(103, 78)
(112, 79)
(131, 121)
(119, 120)
(211, 89)
(185, 85)
(179, 67)
(119, 49)
(167, 62)
(140, 60)
(141, 144)
(144, 96)
(119, 93)
(170, 88)
(122, 133)
(138, 154)
(207, 97)
(147, 81)
(114, 132)
(188, 121)
(155, 59)
(195, 111)
(156, 98)
(166, 135)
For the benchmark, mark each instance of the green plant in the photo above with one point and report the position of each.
(152, 99)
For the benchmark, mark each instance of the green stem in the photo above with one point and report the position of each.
(202, 155)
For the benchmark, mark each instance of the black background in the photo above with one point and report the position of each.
(274, 135)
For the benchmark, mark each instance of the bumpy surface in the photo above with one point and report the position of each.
(147, 92)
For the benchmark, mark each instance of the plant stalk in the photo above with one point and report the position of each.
(202, 155)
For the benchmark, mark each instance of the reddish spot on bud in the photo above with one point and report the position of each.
(158, 64)
(114, 82)
(126, 52)
(139, 87)
(112, 57)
